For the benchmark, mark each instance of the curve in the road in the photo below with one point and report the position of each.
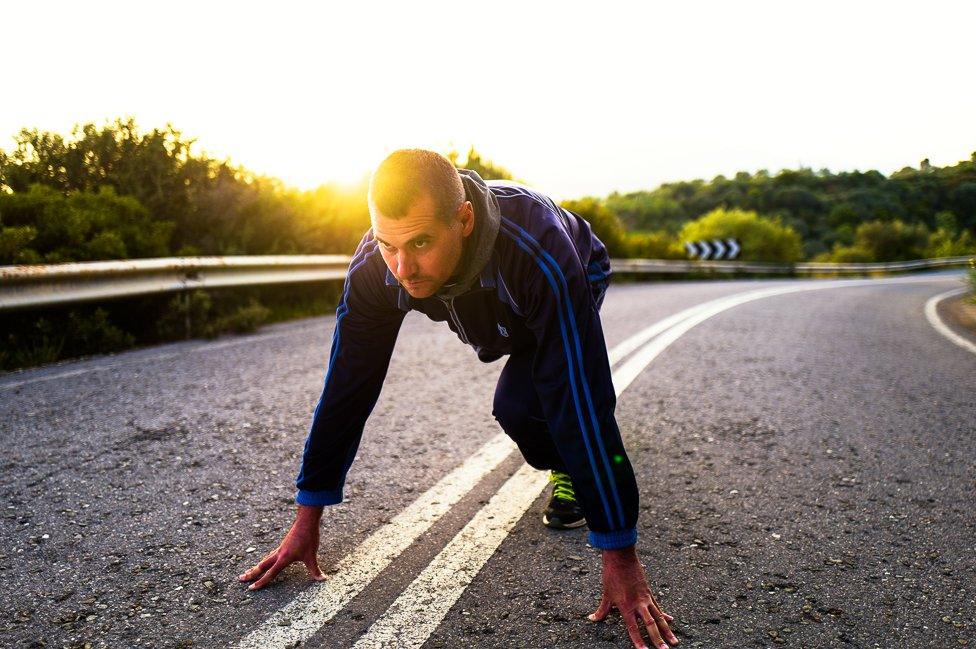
(932, 314)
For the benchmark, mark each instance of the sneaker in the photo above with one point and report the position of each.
(563, 512)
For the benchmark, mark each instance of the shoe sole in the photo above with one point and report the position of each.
(562, 526)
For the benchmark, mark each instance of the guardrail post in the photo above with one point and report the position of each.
(186, 313)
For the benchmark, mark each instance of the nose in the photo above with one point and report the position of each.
(405, 265)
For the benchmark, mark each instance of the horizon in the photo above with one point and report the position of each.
(624, 100)
(364, 176)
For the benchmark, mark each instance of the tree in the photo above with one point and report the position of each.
(43, 225)
(948, 240)
(892, 241)
(658, 210)
(485, 168)
(650, 245)
(963, 201)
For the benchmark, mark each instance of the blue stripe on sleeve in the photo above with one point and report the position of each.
(357, 261)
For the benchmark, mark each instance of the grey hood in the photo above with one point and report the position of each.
(479, 245)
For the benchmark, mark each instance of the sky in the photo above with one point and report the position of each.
(574, 98)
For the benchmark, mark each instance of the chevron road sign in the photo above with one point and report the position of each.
(714, 249)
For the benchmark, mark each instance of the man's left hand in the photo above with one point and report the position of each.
(625, 587)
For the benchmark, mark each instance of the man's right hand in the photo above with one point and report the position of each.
(301, 543)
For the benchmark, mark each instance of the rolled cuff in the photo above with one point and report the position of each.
(318, 498)
(613, 540)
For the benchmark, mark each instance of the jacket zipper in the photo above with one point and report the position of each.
(457, 321)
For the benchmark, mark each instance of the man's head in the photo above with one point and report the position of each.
(420, 218)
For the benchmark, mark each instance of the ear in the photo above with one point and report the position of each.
(466, 218)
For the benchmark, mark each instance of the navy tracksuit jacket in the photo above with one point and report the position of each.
(538, 294)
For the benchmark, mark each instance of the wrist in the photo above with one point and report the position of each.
(308, 515)
(626, 555)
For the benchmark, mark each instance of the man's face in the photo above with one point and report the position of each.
(420, 250)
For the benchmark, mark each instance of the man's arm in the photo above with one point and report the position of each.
(362, 346)
(367, 324)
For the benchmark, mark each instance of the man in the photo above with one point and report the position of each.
(512, 274)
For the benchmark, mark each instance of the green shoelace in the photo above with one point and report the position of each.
(563, 489)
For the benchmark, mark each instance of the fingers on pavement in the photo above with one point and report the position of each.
(313, 569)
(260, 567)
(652, 629)
(658, 606)
(601, 611)
(270, 574)
(634, 631)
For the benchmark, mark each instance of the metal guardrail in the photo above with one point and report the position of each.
(42, 285)
(808, 268)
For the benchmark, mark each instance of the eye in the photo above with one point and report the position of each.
(387, 247)
(420, 244)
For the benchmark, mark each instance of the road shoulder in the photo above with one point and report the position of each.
(959, 312)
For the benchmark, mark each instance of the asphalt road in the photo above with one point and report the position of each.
(807, 465)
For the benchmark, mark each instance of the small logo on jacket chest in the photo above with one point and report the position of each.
(502, 330)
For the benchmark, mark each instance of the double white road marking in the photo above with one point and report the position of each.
(418, 611)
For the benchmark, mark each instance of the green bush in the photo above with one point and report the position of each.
(948, 240)
(972, 279)
(42, 225)
(60, 334)
(760, 238)
(605, 223)
(94, 334)
(244, 319)
(884, 241)
(198, 315)
(892, 240)
(846, 255)
(14, 243)
(35, 346)
(650, 245)
(186, 315)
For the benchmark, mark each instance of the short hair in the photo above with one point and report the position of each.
(405, 174)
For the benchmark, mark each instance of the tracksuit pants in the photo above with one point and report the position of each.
(518, 411)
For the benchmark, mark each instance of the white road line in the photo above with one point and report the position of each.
(932, 314)
(628, 346)
(687, 319)
(426, 601)
(420, 609)
(316, 605)
(629, 370)
(641, 337)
